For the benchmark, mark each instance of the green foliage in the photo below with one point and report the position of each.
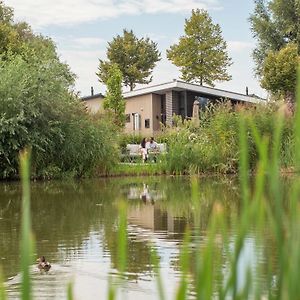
(26, 236)
(135, 57)
(6, 13)
(18, 38)
(201, 53)
(2, 289)
(114, 102)
(129, 139)
(275, 23)
(213, 146)
(279, 71)
(38, 109)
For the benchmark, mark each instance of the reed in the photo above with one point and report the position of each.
(2, 288)
(26, 248)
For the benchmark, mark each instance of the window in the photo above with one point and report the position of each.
(127, 118)
(147, 123)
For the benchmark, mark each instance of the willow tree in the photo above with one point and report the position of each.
(201, 54)
(135, 58)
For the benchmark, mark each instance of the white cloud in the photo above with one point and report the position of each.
(43, 13)
(236, 46)
(84, 63)
(88, 41)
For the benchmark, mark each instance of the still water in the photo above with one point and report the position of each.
(75, 225)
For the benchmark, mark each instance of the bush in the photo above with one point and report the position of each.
(213, 146)
(38, 110)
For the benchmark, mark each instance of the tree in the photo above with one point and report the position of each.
(135, 57)
(39, 109)
(201, 53)
(279, 72)
(274, 23)
(18, 38)
(6, 13)
(114, 101)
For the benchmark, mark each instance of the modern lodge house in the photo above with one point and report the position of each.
(149, 107)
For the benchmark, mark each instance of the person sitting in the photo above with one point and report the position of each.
(144, 150)
(153, 148)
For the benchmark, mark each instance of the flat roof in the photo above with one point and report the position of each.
(179, 85)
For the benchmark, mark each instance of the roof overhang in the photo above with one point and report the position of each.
(177, 85)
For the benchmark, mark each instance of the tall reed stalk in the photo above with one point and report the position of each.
(26, 234)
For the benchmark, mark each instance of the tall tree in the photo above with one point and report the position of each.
(201, 53)
(135, 57)
(114, 101)
(38, 109)
(279, 72)
(274, 23)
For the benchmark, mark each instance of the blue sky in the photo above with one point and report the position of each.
(82, 28)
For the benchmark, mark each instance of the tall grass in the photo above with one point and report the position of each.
(213, 146)
(2, 288)
(26, 234)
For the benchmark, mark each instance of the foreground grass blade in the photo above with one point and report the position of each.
(184, 264)
(2, 289)
(70, 291)
(122, 238)
(156, 268)
(297, 126)
(244, 162)
(26, 236)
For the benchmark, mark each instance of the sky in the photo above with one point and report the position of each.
(81, 30)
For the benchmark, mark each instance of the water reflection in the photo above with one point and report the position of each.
(75, 227)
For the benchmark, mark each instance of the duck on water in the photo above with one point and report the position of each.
(43, 265)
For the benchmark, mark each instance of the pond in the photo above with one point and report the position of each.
(75, 225)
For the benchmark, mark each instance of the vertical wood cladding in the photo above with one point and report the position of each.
(169, 108)
(175, 103)
(172, 105)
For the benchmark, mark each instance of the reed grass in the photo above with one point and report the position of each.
(26, 234)
(2, 288)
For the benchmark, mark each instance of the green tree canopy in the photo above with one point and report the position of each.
(274, 23)
(18, 38)
(114, 101)
(135, 57)
(39, 109)
(201, 53)
(279, 72)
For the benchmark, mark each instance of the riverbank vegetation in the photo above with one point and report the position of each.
(213, 145)
(38, 108)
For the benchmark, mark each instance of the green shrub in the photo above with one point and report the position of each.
(38, 110)
(213, 146)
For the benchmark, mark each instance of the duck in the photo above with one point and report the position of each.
(43, 265)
